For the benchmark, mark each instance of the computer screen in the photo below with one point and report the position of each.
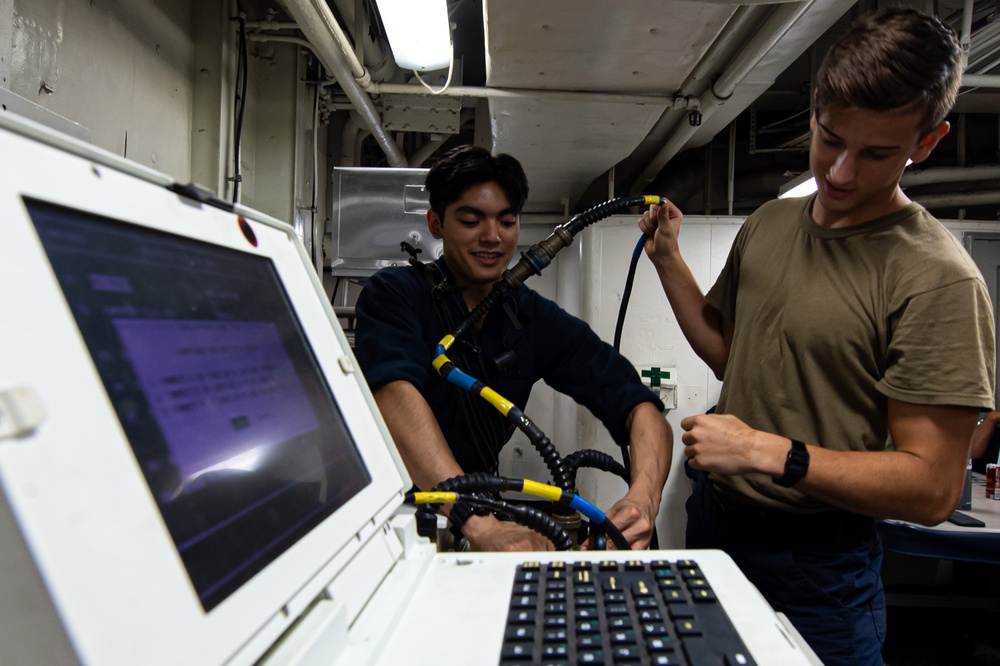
(237, 435)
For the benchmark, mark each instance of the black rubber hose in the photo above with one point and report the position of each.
(545, 448)
(526, 516)
(595, 459)
(601, 211)
(478, 482)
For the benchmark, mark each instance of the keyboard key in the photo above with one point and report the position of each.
(664, 660)
(681, 611)
(620, 622)
(738, 659)
(554, 636)
(595, 656)
(525, 601)
(612, 584)
(654, 629)
(703, 595)
(519, 633)
(521, 617)
(650, 616)
(516, 651)
(659, 644)
(625, 653)
(687, 628)
(527, 577)
(622, 637)
(556, 650)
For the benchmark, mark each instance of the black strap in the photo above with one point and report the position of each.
(487, 428)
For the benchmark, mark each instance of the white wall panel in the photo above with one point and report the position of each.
(651, 337)
(120, 68)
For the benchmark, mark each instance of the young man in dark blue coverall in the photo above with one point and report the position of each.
(440, 429)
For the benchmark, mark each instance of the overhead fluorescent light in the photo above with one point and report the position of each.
(804, 184)
(800, 186)
(419, 33)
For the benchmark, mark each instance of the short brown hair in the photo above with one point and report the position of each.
(893, 60)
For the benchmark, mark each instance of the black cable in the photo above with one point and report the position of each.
(242, 67)
(620, 324)
(622, 309)
(611, 530)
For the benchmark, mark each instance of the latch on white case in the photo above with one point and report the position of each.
(21, 411)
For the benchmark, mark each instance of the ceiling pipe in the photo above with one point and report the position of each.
(737, 30)
(966, 36)
(936, 175)
(421, 154)
(527, 93)
(321, 28)
(981, 80)
(380, 64)
(782, 19)
(964, 200)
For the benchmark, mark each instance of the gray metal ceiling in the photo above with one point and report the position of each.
(598, 97)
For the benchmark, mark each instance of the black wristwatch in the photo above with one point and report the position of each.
(796, 465)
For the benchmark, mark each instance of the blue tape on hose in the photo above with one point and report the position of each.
(458, 377)
(589, 510)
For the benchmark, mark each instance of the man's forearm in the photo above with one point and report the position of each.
(651, 452)
(417, 435)
(920, 481)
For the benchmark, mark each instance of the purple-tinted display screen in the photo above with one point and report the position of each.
(238, 436)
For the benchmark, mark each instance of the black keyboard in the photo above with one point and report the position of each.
(634, 612)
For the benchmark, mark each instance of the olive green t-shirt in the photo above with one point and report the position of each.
(830, 323)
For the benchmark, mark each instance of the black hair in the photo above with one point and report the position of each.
(466, 166)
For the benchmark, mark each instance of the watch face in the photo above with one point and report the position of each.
(796, 465)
